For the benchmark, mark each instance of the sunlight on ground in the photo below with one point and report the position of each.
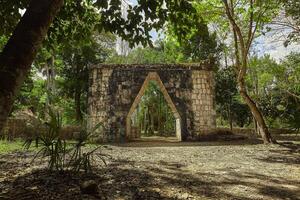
(9, 146)
(163, 170)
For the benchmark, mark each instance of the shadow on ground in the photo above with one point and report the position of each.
(209, 140)
(290, 154)
(159, 179)
(168, 180)
(162, 143)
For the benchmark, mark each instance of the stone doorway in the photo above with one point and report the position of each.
(114, 91)
(134, 132)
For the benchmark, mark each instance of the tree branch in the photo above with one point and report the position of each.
(292, 94)
(250, 33)
(235, 27)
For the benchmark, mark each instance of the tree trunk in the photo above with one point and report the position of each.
(230, 117)
(241, 56)
(50, 82)
(255, 125)
(263, 129)
(21, 49)
(77, 104)
(225, 59)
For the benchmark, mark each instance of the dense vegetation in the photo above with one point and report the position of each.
(153, 116)
(251, 91)
(46, 49)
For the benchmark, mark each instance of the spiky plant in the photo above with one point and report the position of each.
(50, 142)
(80, 159)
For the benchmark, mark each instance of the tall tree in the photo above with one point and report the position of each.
(199, 43)
(77, 57)
(254, 14)
(245, 20)
(276, 88)
(226, 90)
(292, 20)
(21, 49)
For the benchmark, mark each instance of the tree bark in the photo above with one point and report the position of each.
(21, 49)
(77, 106)
(242, 47)
(257, 114)
(230, 117)
(263, 129)
(50, 82)
(255, 125)
(77, 97)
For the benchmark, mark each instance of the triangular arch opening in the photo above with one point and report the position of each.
(153, 76)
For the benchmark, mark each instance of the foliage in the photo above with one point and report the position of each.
(32, 95)
(288, 84)
(52, 146)
(153, 113)
(228, 103)
(289, 78)
(63, 70)
(292, 8)
(76, 58)
(3, 41)
(291, 113)
(246, 20)
(240, 113)
(81, 159)
(141, 19)
(198, 44)
(10, 14)
(62, 155)
(195, 30)
(276, 89)
(10, 146)
(162, 52)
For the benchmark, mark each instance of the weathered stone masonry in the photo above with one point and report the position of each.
(113, 89)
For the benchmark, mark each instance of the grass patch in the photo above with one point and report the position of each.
(17, 145)
(9, 146)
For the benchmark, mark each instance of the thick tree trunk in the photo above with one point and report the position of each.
(21, 49)
(263, 129)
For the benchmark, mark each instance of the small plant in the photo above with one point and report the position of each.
(52, 146)
(80, 159)
(63, 155)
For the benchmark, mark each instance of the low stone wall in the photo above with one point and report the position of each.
(20, 128)
(14, 128)
(250, 133)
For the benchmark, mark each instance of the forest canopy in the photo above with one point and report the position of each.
(251, 90)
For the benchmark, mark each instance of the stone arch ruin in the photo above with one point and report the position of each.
(153, 76)
(116, 89)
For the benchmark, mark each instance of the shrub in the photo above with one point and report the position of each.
(63, 155)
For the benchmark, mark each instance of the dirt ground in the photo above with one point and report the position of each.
(158, 170)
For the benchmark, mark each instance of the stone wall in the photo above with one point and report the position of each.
(27, 128)
(113, 89)
(203, 100)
